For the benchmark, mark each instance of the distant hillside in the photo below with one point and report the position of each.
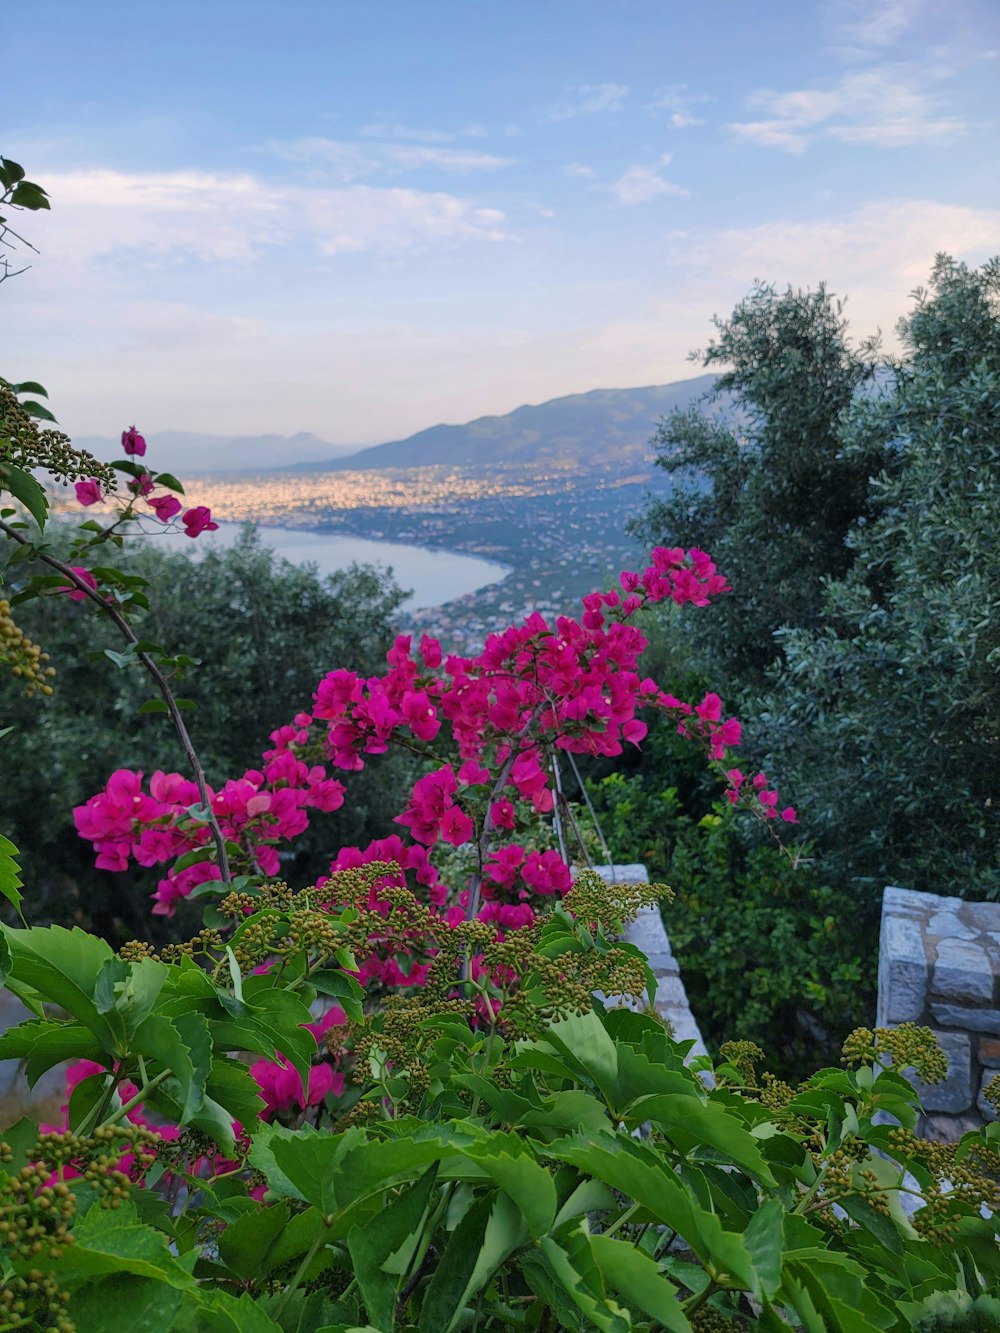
(590, 427)
(189, 453)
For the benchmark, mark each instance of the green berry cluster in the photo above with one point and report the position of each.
(25, 445)
(25, 659)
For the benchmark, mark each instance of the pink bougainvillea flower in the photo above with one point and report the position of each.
(85, 576)
(89, 492)
(165, 507)
(133, 443)
(199, 520)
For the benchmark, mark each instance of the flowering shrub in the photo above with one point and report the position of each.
(375, 1107)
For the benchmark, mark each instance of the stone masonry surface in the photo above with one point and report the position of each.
(939, 965)
(648, 934)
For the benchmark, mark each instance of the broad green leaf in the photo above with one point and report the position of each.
(508, 1161)
(23, 486)
(245, 1245)
(690, 1121)
(603, 1314)
(45, 1042)
(639, 1281)
(168, 480)
(62, 966)
(381, 1255)
(184, 1046)
(639, 1173)
(140, 1304)
(583, 1042)
(231, 1084)
(764, 1239)
(219, 1312)
(449, 1287)
(348, 993)
(20, 1138)
(87, 1094)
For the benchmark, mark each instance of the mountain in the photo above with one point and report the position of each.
(188, 453)
(579, 429)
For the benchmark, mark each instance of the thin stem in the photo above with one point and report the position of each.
(301, 1271)
(138, 1098)
(483, 846)
(162, 684)
(625, 1217)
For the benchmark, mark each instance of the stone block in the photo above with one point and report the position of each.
(951, 925)
(947, 1128)
(954, 1094)
(985, 1109)
(902, 971)
(962, 971)
(974, 1020)
(910, 902)
(982, 916)
(989, 1052)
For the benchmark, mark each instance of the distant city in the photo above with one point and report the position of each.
(547, 491)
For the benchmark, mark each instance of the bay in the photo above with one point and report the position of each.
(434, 577)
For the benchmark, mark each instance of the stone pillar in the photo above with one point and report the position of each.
(647, 933)
(939, 963)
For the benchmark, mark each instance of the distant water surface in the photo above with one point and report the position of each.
(435, 577)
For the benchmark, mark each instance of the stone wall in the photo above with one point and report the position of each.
(648, 934)
(939, 965)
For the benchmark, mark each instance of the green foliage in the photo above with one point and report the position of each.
(285, 626)
(764, 485)
(769, 952)
(885, 720)
(560, 1165)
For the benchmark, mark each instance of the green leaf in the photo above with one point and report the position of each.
(565, 1265)
(381, 1255)
(245, 1245)
(153, 706)
(30, 386)
(46, 1042)
(341, 987)
(20, 1138)
(764, 1239)
(121, 660)
(10, 885)
(87, 1094)
(168, 480)
(637, 1278)
(36, 410)
(142, 1304)
(689, 1121)
(28, 195)
(62, 967)
(448, 1288)
(184, 1046)
(23, 486)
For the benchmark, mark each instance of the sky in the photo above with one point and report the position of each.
(363, 217)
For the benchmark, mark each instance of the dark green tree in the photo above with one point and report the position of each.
(265, 631)
(885, 720)
(759, 476)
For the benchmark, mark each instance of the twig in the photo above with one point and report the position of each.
(162, 684)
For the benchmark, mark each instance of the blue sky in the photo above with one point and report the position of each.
(362, 217)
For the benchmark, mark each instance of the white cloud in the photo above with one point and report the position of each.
(234, 219)
(873, 23)
(771, 134)
(677, 100)
(588, 99)
(575, 169)
(886, 107)
(348, 161)
(638, 185)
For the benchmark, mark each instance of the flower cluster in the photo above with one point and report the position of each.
(490, 728)
(196, 520)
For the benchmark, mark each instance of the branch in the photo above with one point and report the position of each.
(160, 680)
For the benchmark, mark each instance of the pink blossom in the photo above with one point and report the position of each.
(165, 507)
(133, 443)
(89, 492)
(198, 520)
(85, 576)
